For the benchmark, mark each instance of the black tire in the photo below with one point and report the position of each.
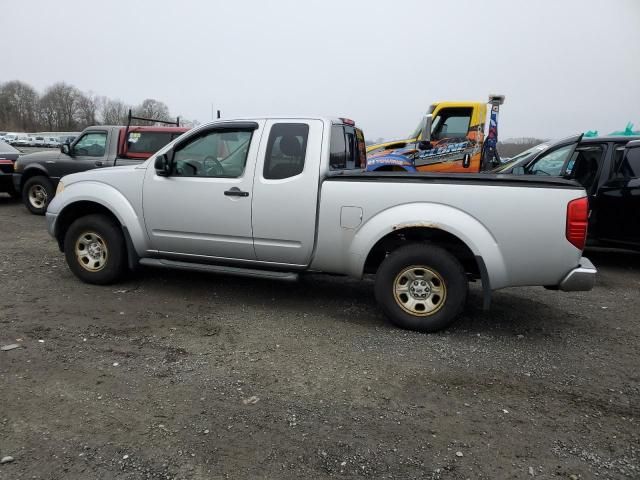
(105, 251)
(442, 304)
(37, 192)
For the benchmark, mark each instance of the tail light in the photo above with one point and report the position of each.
(577, 221)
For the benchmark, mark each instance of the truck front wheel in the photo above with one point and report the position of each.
(37, 193)
(95, 249)
(421, 287)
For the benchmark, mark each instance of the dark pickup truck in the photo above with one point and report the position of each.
(37, 175)
(8, 156)
(609, 170)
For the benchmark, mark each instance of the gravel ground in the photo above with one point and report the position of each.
(192, 376)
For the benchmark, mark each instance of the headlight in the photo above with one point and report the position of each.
(60, 188)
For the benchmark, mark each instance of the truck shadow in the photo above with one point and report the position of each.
(326, 299)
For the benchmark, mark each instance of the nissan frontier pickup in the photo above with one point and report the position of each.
(276, 197)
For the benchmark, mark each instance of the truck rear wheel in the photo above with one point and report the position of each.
(37, 193)
(95, 249)
(421, 287)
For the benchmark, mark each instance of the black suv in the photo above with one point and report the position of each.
(609, 170)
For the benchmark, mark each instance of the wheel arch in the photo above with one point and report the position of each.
(454, 230)
(91, 198)
(34, 171)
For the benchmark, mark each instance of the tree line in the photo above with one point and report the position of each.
(65, 108)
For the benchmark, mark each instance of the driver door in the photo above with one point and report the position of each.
(203, 208)
(90, 151)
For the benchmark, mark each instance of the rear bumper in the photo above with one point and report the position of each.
(580, 279)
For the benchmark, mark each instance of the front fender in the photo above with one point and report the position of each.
(108, 197)
(33, 170)
(434, 216)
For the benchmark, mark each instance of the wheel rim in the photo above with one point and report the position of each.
(91, 252)
(419, 291)
(38, 196)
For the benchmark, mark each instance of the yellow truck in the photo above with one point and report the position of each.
(450, 138)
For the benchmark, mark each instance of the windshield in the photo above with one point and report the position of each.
(524, 157)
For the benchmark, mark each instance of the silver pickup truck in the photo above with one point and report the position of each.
(274, 197)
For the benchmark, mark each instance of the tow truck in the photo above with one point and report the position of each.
(450, 138)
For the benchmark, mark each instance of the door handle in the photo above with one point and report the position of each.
(236, 192)
(99, 163)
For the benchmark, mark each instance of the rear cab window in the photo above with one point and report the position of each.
(142, 144)
(347, 149)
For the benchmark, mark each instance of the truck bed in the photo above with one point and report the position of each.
(533, 181)
(516, 224)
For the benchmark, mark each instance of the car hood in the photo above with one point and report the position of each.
(100, 174)
(38, 157)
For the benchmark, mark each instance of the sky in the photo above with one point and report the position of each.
(564, 66)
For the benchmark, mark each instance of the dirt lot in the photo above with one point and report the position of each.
(185, 376)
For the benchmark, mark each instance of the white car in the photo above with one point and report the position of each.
(52, 142)
(21, 141)
(10, 138)
(38, 142)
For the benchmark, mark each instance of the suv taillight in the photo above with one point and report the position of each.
(577, 221)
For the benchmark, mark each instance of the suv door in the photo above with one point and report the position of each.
(285, 193)
(619, 200)
(203, 207)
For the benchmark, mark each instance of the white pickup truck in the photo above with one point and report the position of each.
(274, 197)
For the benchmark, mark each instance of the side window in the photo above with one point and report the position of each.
(347, 150)
(451, 123)
(550, 163)
(216, 153)
(583, 166)
(337, 149)
(630, 165)
(286, 150)
(92, 144)
(618, 154)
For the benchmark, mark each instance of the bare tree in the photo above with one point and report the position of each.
(151, 108)
(63, 107)
(63, 100)
(113, 112)
(87, 109)
(18, 106)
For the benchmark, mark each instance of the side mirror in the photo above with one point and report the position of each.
(66, 149)
(466, 161)
(162, 165)
(518, 170)
(425, 134)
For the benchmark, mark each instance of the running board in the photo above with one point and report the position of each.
(203, 267)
